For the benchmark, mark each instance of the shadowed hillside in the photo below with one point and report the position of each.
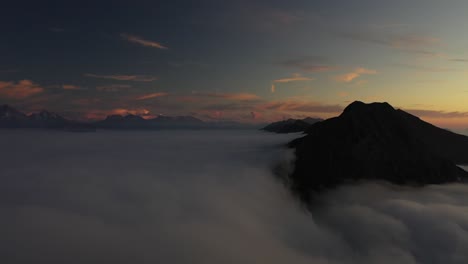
(375, 141)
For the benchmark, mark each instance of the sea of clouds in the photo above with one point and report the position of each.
(205, 197)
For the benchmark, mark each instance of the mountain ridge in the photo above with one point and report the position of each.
(376, 142)
(291, 125)
(12, 118)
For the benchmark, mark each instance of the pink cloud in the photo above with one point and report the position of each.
(351, 76)
(300, 106)
(295, 78)
(70, 87)
(102, 114)
(19, 90)
(142, 41)
(152, 95)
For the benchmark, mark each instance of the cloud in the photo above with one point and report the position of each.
(308, 64)
(113, 87)
(198, 197)
(136, 78)
(70, 87)
(151, 95)
(255, 115)
(19, 90)
(124, 111)
(295, 78)
(436, 113)
(230, 96)
(143, 42)
(300, 106)
(349, 77)
(99, 114)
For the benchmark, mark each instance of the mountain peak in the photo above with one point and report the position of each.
(6, 108)
(114, 117)
(358, 107)
(291, 125)
(7, 113)
(376, 142)
(133, 117)
(45, 116)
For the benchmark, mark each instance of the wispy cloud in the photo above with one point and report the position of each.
(101, 114)
(70, 87)
(300, 106)
(136, 78)
(19, 90)
(151, 95)
(356, 73)
(113, 87)
(142, 41)
(308, 64)
(436, 113)
(294, 78)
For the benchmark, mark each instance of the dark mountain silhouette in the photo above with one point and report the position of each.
(375, 141)
(138, 122)
(291, 125)
(12, 118)
(46, 119)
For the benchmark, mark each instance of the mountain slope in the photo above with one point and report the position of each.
(137, 122)
(12, 118)
(375, 141)
(291, 125)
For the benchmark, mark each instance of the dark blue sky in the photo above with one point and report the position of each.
(239, 60)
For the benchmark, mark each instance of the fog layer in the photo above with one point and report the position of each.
(205, 197)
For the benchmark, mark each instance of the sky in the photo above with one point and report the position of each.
(248, 61)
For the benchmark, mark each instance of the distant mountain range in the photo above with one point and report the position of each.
(376, 142)
(12, 118)
(291, 125)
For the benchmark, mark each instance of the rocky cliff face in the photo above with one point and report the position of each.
(376, 142)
